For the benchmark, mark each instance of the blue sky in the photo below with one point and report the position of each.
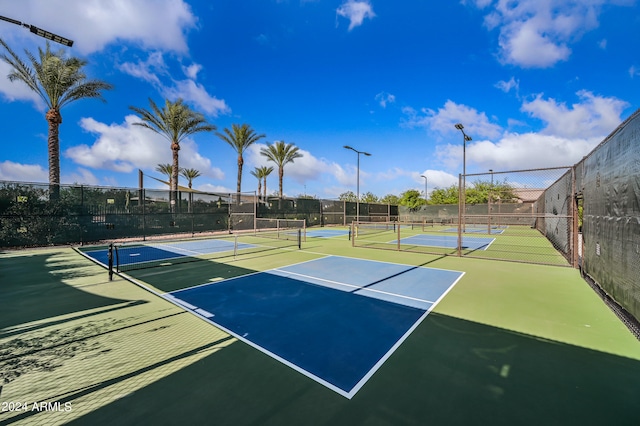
(536, 83)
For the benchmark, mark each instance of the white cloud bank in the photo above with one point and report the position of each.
(12, 171)
(539, 33)
(569, 132)
(126, 147)
(92, 25)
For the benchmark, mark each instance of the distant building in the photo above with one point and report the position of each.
(527, 195)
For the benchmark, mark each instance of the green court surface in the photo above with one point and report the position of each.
(511, 343)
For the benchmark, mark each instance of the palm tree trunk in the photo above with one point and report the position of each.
(265, 188)
(53, 140)
(280, 177)
(173, 198)
(259, 188)
(239, 185)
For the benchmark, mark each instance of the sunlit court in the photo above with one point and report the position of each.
(358, 213)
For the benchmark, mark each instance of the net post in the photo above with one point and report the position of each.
(110, 261)
(352, 228)
(489, 213)
(235, 245)
(398, 236)
(460, 213)
(299, 239)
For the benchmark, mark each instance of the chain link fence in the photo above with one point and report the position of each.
(523, 215)
(33, 214)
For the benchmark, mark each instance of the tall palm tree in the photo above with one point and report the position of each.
(281, 154)
(167, 170)
(174, 122)
(257, 172)
(190, 175)
(58, 80)
(240, 137)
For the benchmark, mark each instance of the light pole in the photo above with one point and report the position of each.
(489, 203)
(40, 32)
(425, 188)
(357, 180)
(465, 138)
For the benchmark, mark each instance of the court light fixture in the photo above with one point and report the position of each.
(40, 32)
(465, 138)
(357, 180)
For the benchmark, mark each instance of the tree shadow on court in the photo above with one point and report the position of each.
(33, 288)
(449, 371)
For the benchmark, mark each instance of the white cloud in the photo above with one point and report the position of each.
(436, 179)
(82, 177)
(537, 33)
(17, 90)
(568, 134)
(125, 147)
(356, 11)
(507, 86)
(147, 70)
(529, 46)
(153, 24)
(196, 94)
(23, 172)
(516, 151)
(192, 70)
(304, 169)
(443, 121)
(154, 70)
(384, 98)
(593, 117)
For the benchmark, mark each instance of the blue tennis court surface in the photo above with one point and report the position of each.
(447, 241)
(326, 233)
(334, 319)
(154, 252)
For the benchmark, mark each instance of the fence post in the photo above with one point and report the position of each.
(460, 213)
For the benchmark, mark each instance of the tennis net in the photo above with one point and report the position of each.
(132, 256)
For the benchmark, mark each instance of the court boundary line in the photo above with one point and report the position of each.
(365, 288)
(347, 394)
(482, 247)
(177, 301)
(404, 337)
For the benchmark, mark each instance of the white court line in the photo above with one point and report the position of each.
(354, 286)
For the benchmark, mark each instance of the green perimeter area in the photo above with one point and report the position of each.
(510, 343)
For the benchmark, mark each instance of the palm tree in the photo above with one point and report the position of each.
(190, 175)
(58, 80)
(167, 170)
(174, 122)
(240, 138)
(266, 171)
(257, 172)
(281, 154)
